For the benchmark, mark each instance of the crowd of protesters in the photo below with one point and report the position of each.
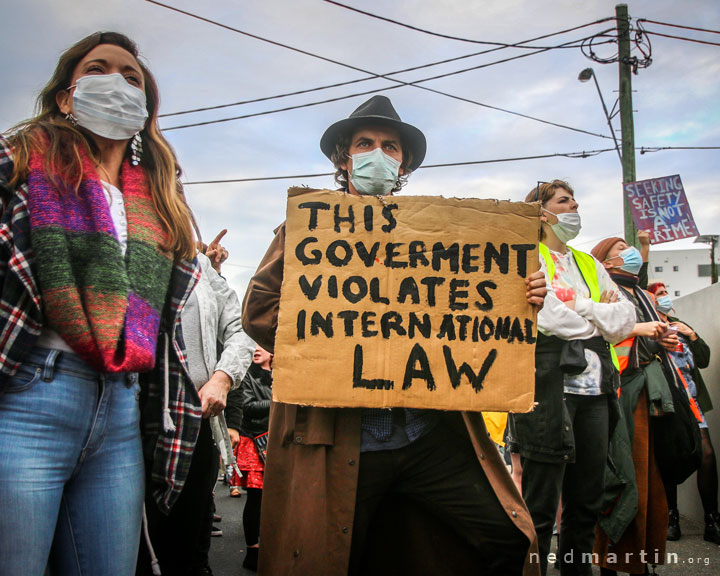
(129, 370)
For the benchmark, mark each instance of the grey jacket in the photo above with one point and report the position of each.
(220, 324)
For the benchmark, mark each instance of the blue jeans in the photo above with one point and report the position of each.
(71, 469)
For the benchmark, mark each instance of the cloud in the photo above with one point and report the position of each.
(198, 64)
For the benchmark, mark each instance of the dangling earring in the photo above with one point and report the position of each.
(137, 149)
(71, 118)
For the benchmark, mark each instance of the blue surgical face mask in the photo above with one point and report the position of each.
(632, 260)
(664, 304)
(374, 173)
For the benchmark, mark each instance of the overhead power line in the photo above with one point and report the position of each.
(640, 43)
(400, 82)
(255, 36)
(265, 98)
(258, 179)
(679, 26)
(284, 109)
(696, 41)
(582, 154)
(446, 36)
(401, 85)
(646, 149)
(573, 44)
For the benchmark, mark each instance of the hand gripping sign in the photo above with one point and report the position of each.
(407, 301)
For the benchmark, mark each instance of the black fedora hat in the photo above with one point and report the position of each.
(377, 110)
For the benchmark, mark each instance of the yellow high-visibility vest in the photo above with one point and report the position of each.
(586, 265)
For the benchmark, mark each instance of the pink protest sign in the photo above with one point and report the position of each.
(660, 206)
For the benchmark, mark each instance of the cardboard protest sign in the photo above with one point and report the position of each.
(660, 206)
(409, 301)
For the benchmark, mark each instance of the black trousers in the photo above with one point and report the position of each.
(440, 472)
(580, 483)
(181, 540)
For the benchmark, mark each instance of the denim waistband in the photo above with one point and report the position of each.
(52, 360)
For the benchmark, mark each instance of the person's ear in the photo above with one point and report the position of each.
(64, 101)
(547, 217)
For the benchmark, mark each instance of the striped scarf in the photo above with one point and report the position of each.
(106, 308)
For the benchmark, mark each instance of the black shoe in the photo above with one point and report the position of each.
(217, 518)
(251, 559)
(216, 531)
(712, 528)
(673, 532)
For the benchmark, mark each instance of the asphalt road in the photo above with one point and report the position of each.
(227, 552)
(690, 556)
(695, 557)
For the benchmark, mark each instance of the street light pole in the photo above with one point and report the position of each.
(626, 116)
(584, 76)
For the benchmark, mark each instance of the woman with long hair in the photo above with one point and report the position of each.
(96, 260)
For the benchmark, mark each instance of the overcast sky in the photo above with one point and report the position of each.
(198, 64)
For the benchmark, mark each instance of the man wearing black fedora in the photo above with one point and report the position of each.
(375, 491)
(373, 151)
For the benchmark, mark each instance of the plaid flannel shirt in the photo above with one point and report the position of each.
(20, 303)
(168, 454)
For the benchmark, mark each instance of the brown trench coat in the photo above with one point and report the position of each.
(311, 472)
(648, 530)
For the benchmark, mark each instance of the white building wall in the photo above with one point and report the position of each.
(679, 270)
(700, 310)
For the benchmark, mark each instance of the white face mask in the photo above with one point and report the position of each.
(568, 226)
(109, 107)
(374, 173)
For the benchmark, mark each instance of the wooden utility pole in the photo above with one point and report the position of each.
(625, 68)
